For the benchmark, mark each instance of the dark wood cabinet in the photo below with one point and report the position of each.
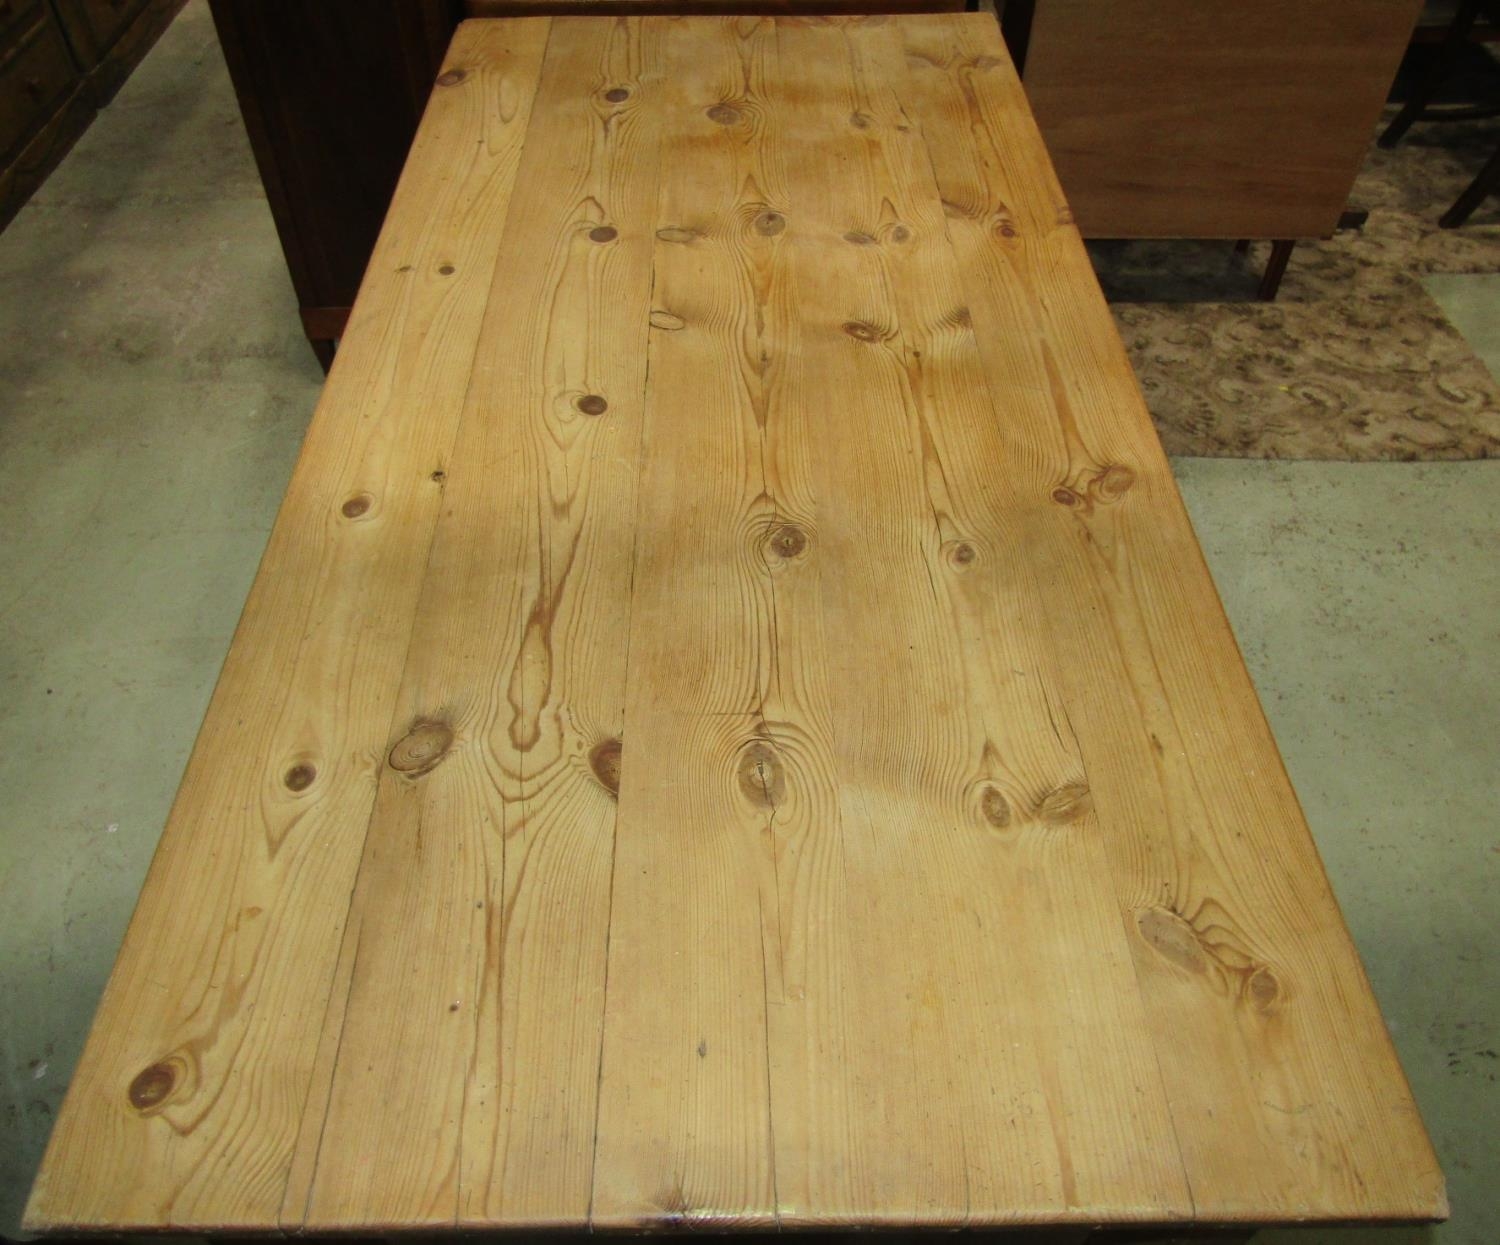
(60, 62)
(331, 94)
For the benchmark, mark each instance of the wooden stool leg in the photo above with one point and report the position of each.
(1281, 251)
(1487, 183)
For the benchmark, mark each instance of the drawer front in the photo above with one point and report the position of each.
(31, 82)
(95, 24)
(16, 18)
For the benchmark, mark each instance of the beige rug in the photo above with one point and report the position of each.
(1354, 360)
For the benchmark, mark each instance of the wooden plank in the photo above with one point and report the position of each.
(185, 1108)
(468, 1059)
(1242, 119)
(684, 1115)
(966, 817)
(1286, 1094)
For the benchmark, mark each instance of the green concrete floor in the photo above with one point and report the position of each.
(153, 390)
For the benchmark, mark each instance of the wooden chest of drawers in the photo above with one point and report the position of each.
(60, 62)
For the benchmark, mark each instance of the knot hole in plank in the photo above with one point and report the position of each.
(994, 807)
(786, 541)
(423, 748)
(155, 1085)
(762, 777)
(604, 761)
(357, 507)
(768, 223)
(299, 776)
(1173, 938)
(1065, 804)
(863, 330)
(960, 554)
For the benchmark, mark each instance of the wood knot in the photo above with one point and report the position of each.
(760, 775)
(960, 553)
(451, 77)
(438, 476)
(592, 404)
(768, 224)
(1065, 496)
(788, 540)
(300, 776)
(152, 1086)
(995, 807)
(859, 239)
(604, 760)
(603, 233)
(422, 749)
(1068, 803)
(617, 94)
(860, 120)
(1113, 483)
(1005, 228)
(1173, 938)
(356, 506)
(900, 233)
(675, 233)
(1263, 989)
(863, 331)
(724, 114)
(666, 320)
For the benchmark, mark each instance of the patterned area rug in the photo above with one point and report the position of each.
(1354, 360)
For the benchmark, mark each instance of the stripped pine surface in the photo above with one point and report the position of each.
(733, 727)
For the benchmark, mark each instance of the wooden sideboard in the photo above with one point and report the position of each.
(60, 62)
(1181, 119)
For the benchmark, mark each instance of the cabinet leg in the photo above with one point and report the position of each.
(1281, 251)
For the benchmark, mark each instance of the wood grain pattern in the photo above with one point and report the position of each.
(187, 1104)
(1242, 119)
(779, 759)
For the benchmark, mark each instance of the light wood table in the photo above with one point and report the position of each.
(733, 727)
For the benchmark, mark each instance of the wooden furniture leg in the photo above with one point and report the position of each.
(1486, 184)
(1424, 92)
(1281, 251)
(324, 326)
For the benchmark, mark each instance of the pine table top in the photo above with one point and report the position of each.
(733, 726)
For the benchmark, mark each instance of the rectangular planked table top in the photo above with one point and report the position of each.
(733, 726)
